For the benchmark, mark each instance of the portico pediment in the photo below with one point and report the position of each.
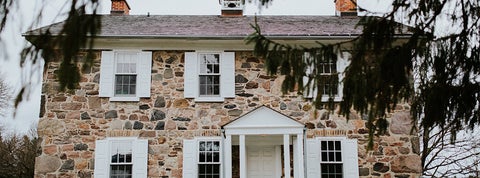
(264, 119)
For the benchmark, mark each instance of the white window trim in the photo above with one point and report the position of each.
(197, 141)
(106, 173)
(342, 63)
(108, 89)
(349, 159)
(194, 91)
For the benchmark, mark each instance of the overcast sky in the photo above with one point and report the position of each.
(53, 11)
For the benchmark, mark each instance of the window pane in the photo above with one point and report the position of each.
(128, 158)
(324, 145)
(338, 156)
(209, 146)
(209, 157)
(201, 157)
(330, 145)
(216, 146)
(331, 156)
(132, 89)
(324, 156)
(202, 146)
(216, 157)
(132, 68)
(201, 168)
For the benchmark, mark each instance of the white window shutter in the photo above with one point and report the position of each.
(140, 158)
(313, 158)
(107, 75)
(189, 159)
(343, 60)
(227, 78)
(190, 75)
(308, 91)
(144, 68)
(350, 158)
(102, 158)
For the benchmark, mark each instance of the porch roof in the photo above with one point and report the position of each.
(263, 117)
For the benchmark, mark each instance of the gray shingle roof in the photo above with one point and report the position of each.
(158, 26)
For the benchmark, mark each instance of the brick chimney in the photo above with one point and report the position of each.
(346, 7)
(120, 7)
(232, 8)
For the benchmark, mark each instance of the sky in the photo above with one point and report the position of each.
(53, 11)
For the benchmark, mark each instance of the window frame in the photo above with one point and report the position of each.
(334, 139)
(191, 154)
(341, 63)
(108, 74)
(117, 73)
(136, 162)
(220, 151)
(226, 76)
(200, 74)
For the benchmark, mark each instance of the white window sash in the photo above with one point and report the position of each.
(192, 74)
(191, 153)
(342, 62)
(103, 155)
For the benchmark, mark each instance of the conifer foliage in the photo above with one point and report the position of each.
(438, 73)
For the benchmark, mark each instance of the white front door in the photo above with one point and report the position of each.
(261, 161)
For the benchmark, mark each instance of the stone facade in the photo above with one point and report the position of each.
(73, 120)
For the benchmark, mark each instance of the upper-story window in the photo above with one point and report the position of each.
(121, 157)
(209, 76)
(125, 75)
(331, 74)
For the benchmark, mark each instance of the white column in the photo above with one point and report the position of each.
(228, 156)
(243, 157)
(286, 155)
(295, 155)
(300, 166)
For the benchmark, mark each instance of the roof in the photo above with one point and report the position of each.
(181, 26)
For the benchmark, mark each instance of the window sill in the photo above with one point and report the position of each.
(125, 98)
(327, 98)
(209, 99)
(335, 98)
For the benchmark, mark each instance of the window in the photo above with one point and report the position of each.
(332, 157)
(209, 76)
(331, 75)
(202, 158)
(121, 158)
(125, 75)
(331, 164)
(209, 159)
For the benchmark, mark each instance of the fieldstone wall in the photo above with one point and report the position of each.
(71, 121)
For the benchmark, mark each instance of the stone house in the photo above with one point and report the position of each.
(184, 96)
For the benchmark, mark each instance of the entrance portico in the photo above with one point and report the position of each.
(260, 135)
